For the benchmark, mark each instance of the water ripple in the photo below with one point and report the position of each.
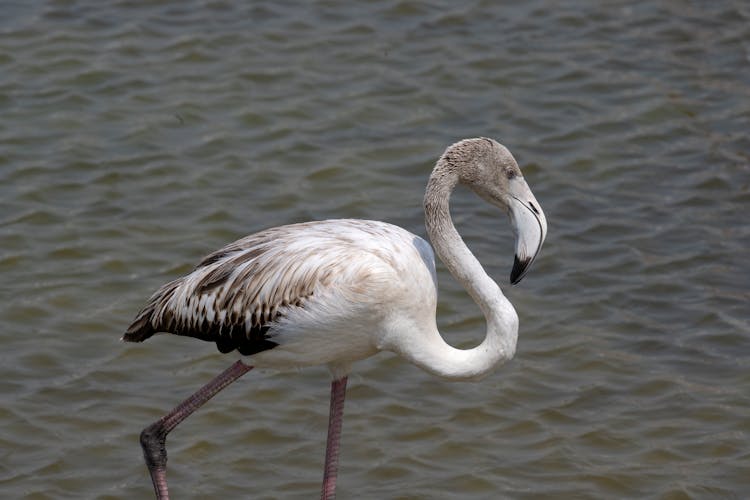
(138, 136)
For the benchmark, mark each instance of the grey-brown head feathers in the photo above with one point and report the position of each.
(482, 164)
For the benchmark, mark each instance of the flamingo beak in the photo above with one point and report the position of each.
(529, 226)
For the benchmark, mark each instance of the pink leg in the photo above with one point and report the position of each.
(336, 415)
(154, 437)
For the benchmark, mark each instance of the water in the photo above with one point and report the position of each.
(137, 137)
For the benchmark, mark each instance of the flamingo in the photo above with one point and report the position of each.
(334, 292)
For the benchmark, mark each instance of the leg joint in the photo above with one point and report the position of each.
(154, 444)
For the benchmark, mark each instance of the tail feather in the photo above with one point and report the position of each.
(141, 328)
(146, 323)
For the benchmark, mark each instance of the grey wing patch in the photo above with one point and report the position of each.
(428, 257)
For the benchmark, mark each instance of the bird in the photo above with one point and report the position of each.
(333, 292)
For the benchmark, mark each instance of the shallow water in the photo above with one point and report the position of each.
(136, 137)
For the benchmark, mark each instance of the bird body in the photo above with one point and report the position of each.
(325, 292)
(336, 291)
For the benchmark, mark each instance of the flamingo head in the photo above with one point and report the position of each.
(488, 169)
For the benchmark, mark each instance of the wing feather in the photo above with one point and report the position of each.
(236, 294)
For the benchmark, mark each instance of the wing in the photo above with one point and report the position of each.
(235, 294)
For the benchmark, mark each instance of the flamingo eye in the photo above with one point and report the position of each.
(510, 174)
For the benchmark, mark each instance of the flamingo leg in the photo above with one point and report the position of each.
(154, 437)
(335, 417)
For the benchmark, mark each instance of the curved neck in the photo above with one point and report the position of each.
(502, 321)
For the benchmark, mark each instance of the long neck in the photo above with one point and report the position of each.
(499, 343)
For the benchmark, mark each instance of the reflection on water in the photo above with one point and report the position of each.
(137, 137)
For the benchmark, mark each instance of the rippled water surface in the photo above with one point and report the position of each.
(137, 136)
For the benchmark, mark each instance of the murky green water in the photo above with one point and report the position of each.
(135, 137)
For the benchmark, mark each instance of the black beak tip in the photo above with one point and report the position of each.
(519, 270)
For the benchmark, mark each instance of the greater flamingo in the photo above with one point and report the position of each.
(336, 291)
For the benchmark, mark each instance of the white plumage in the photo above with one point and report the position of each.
(336, 291)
